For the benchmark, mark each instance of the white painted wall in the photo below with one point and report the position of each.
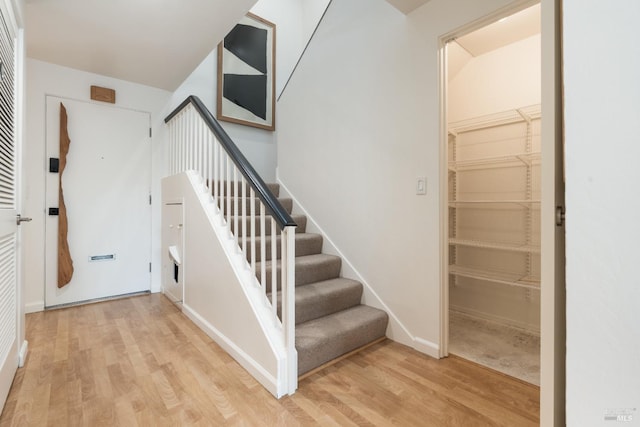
(497, 81)
(457, 58)
(47, 79)
(601, 93)
(358, 123)
(295, 21)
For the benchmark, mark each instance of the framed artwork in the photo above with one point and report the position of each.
(246, 74)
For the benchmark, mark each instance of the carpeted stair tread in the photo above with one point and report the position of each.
(306, 244)
(320, 299)
(321, 340)
(318, 267)
(274, 188)
(309, 269)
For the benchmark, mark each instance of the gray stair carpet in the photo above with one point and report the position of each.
(330, 320)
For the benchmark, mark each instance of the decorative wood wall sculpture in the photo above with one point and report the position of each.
(65, 263)
(103, 94)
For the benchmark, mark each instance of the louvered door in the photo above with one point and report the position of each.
(8, 208)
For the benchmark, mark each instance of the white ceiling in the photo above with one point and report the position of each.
(506, 31)
(152, 42)
(159, 42)
(407, 6)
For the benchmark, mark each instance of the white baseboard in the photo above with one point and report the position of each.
(22, 355)
(34, 307)
(427, 347)
(396, 330)
(246, 361)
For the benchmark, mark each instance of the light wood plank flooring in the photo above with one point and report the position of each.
(139, 361)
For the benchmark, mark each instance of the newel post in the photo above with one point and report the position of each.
(289, 305)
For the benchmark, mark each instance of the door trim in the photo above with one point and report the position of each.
(552, 300)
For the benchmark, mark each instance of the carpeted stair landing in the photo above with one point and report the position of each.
(330, 320)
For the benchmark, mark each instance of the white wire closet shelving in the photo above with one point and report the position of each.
(525, 159)
(475, 203)
(467, 155)
(509, 247)
(511, 279)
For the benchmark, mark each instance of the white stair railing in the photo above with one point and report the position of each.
(250, 212)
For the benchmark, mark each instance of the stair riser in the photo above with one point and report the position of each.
(303, 247)
(304, 273)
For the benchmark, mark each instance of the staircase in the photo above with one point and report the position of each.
(321, 318)
(330, 320)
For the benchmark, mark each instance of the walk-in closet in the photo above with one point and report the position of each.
(494, 195)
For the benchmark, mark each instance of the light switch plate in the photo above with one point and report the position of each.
(421, 185)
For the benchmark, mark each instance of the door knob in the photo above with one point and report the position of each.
(560, 216)
(20, 219)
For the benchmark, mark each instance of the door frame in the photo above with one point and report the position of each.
(553, 300)
(20, 178)
(552, 372)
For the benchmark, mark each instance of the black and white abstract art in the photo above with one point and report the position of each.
(246, 74)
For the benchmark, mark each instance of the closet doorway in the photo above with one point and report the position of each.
(493, 99)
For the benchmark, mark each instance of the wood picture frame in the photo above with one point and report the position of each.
(246, 74)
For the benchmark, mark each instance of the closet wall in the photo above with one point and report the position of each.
(494, 185)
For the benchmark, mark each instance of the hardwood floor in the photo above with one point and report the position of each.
(139, 361)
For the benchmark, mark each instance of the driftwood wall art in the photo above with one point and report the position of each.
(65, 263)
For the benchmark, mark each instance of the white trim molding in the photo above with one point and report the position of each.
(34, 307)
(22, 354)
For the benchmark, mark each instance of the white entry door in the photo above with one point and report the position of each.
(106, 186)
